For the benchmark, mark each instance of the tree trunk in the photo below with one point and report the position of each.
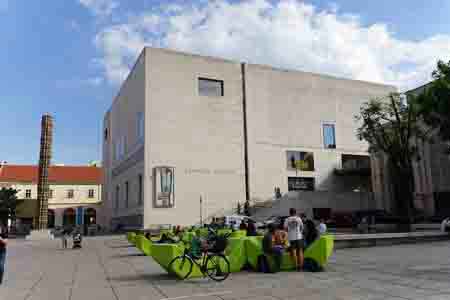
(403, 182)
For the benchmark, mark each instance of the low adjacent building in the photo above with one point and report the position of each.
(74, 195)
(188, 137)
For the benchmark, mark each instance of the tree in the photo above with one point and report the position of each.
(434, 101)
(391, 126)
(8, 204)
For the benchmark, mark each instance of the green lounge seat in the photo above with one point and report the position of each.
(238, 234)
(235, 253)
(319, 251)
(146, 245)
(224, 231)
(138, 241)
(131, 237)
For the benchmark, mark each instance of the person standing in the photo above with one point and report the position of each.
(270, 248)
(3, 244)
(322, 227)
(294, 226)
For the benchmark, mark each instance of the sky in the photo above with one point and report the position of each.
(69, 57)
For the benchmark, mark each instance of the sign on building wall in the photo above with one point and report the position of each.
(164, 187)
(300, 161)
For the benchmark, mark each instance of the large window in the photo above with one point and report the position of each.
(28, 194)
(300, 184)
(140, 125)
(126, 193)
(210, 87)
(140, 198)
(355, 162)
(116, 206)
(300, 161)
(329, 136)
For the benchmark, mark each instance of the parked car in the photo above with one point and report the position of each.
(277, 220)
(340, 220)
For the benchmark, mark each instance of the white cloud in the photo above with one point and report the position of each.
(288, 34)
(100, 7)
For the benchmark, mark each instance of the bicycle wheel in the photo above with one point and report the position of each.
(217, 267)
(181, 266)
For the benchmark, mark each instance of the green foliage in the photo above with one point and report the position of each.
(434, 101)
(391, 126)
(8, 204)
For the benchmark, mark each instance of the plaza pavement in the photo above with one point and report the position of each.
(107, 268)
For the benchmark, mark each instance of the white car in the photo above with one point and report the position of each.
(445, 225)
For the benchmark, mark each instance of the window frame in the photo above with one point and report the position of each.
(117, 198)
(140, 126)
(70, 194)
(324, 125)
(140, 190)
(28, 194)
(298, 154)
(127, 193)
(91, 195)
(221, 82)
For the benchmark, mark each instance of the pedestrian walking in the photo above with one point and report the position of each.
(64, 237)
(3, 244)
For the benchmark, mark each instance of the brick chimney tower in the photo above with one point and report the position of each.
(40, 222)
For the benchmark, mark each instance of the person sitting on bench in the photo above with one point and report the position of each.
(270, 248)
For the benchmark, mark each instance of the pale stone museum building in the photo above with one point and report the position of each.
(185, 127)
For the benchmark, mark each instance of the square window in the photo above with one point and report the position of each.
(210, 87)
(329, 136)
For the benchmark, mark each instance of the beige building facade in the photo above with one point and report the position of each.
(188, 137)
(75, 193)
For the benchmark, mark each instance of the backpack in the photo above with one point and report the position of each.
(263, 264)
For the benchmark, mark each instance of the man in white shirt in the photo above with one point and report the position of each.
(294, 226)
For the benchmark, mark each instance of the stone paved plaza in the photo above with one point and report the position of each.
(108, 269)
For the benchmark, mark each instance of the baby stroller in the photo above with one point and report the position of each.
(77, 240)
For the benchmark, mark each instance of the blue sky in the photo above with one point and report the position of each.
(68, 57)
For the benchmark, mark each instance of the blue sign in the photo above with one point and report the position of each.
(79, 215)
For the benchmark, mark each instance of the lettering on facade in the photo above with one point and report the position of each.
(209, 171)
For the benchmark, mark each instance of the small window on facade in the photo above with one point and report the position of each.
(28, 194)
(329, 136)
(105, 134)
(50, 194)
(140, 198)
(116, 206)
(126, 194)
(70, 194)
(91, 193)
(140, 125)
(210, 87)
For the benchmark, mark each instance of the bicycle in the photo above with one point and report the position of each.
(213, 262)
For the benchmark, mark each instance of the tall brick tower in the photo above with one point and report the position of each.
(45, 154)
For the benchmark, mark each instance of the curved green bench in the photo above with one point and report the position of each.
(235, 253)
(131, 237)
(138, 241)
(238, 234)
(224, 231)
(320, 251)
(146, 246)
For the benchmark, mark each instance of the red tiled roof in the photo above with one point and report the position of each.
(57, 174)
